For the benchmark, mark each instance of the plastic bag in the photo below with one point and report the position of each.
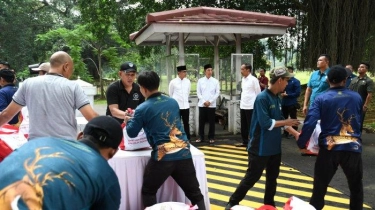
(295, 203)
(138, 142)
(171, 206)
(313, 143)
(10, 139)
(238, 207)
(24, 126)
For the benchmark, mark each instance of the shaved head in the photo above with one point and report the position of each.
(61, 63)
(59, 58)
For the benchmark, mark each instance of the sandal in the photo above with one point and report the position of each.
(212, 141)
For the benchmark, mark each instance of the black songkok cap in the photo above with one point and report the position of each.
(181, 68)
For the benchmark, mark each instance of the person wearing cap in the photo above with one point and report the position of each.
(4, 65)
(208, 90)
(264, 149)
(52, 101)
(42, 69)
(53, 173)
(249, 90)
(124, 93)
(363, 85)
(289, 103)
(8, 89)
(317, 83)
(179, 89)
(159, 117)
(339, 111)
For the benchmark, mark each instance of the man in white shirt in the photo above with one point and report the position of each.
(179, 89)
(208, 89)
(250, 89)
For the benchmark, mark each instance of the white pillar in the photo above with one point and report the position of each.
(216, 58)
(238, 60)
(181, 49)
(168, 61)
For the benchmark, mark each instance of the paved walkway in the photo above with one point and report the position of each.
(305, 165)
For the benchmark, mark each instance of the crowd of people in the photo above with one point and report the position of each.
(53, 159)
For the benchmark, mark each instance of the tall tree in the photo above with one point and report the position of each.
(339, 28)
(21, 21)
(99, 19)
(80, 38)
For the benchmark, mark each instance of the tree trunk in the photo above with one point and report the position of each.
(338, 28)
(100, 73)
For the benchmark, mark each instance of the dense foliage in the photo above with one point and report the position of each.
(96, 32)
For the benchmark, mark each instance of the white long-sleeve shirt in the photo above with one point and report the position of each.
(179, 89)
(208, 89)
(250, 90)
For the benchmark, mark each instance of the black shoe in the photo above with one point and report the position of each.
(229, 206)
(241, 145)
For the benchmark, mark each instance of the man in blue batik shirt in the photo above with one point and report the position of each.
(317, 83)
(264, 148)
(289, 103)
(52, 173)
(339, 110)
(160, 118)
(8, 88)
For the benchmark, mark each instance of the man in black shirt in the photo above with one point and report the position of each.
(123, 94)
(363, 85)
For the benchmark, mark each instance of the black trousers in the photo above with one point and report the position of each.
(245, 115)
(207, 114)
(326, 165)
(363, 119)
(290, 111)
(182, 171)
(254, 171)
(184, 114)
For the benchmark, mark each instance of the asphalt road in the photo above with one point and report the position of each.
(305, 164)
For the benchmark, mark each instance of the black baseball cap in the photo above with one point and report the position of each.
(5, 63)
(338, 74)
(128, 67)
(106, 130)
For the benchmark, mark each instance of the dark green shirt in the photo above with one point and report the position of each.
(363, 86)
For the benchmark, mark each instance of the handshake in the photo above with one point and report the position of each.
(129, 113)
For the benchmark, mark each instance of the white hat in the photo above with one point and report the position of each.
(43, 67)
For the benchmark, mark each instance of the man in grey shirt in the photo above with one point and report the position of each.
(51, 101)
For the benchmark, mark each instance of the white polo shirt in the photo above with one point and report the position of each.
(208, 89)
(179, 89)
(250, 90)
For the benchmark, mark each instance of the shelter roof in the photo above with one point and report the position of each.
(200, 25)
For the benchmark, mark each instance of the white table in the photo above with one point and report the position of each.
(129, 167)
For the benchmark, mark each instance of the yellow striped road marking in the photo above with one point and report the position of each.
(215, 207)
(302, 186)
(294, 176)
(252, 194)
(279, 189)
(225, 159)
